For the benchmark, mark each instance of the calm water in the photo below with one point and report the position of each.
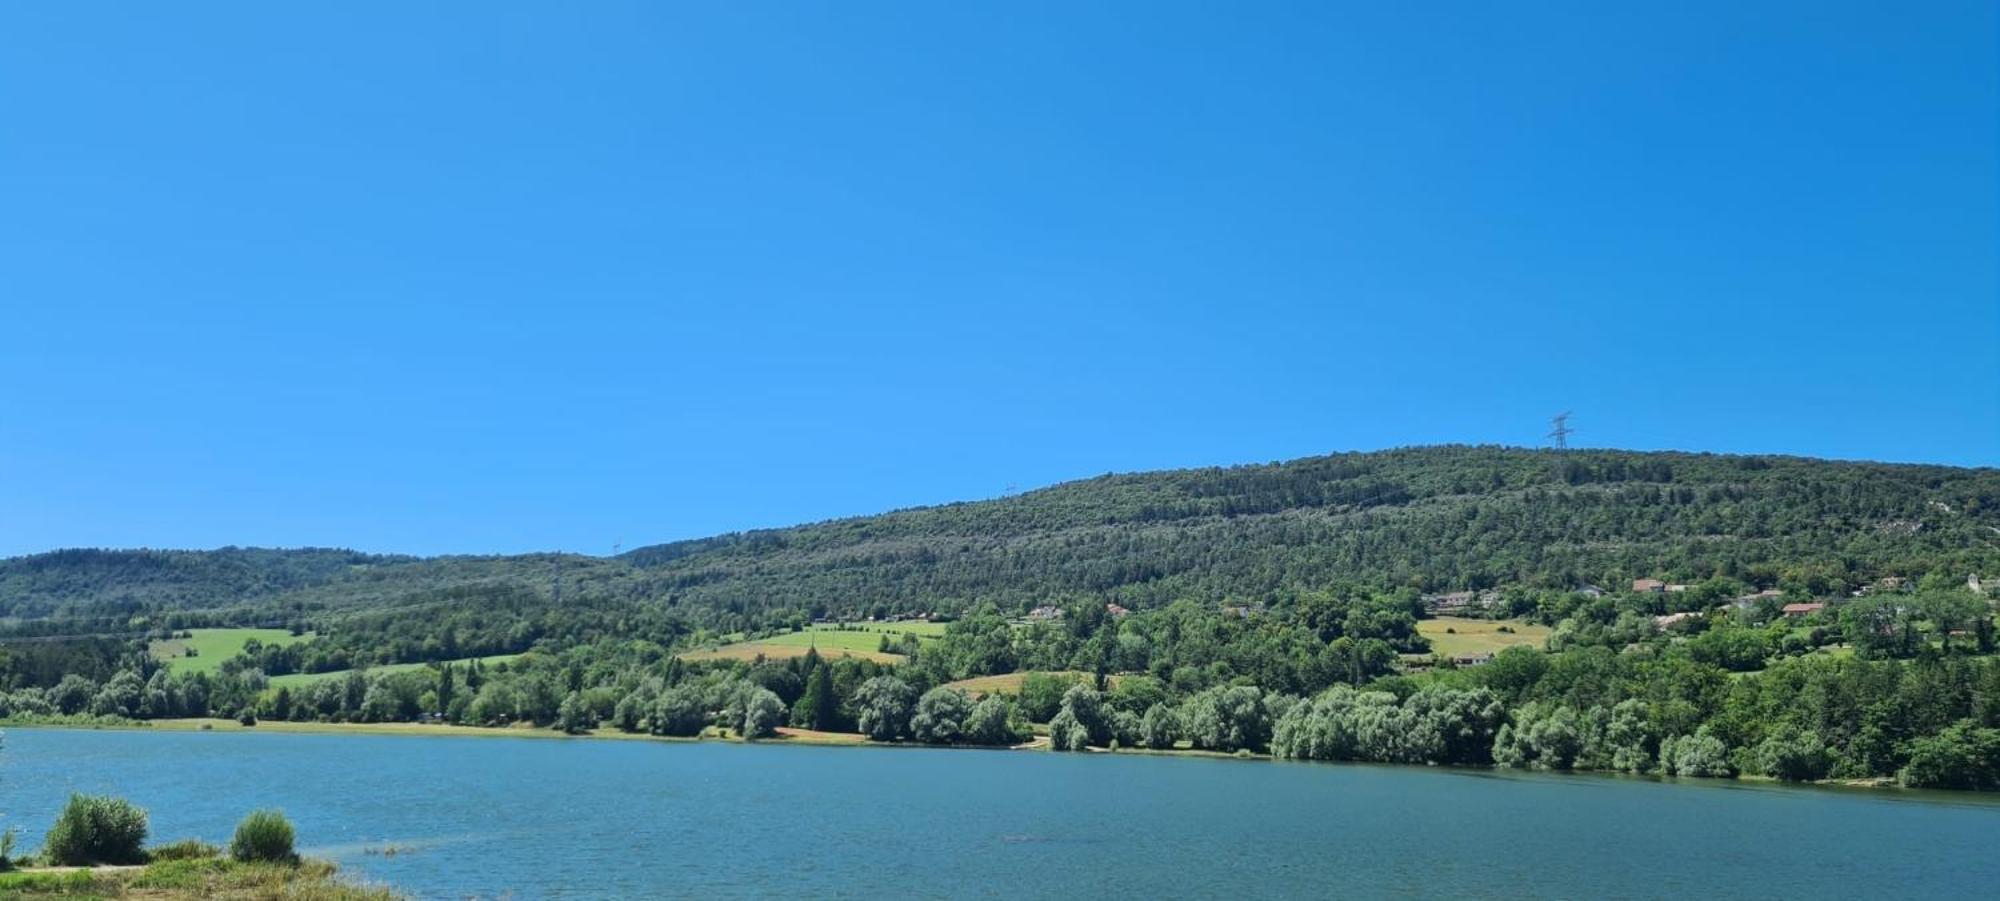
(590, 819)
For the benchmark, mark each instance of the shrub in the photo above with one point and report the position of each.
(93, 829)
(263, 835)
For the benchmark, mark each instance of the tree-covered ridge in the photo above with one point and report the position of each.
(1428, 518)
(1433, 518)
(97, 582)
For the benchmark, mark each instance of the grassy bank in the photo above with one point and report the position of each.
(201, 878)
(432, 730)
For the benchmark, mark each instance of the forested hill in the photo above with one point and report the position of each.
(1431, 518)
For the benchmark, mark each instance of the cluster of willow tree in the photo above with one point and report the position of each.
(144, 691)
(1929, 723)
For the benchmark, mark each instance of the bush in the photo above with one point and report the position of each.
(93, 830)
(263, 835)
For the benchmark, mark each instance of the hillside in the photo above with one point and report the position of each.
(1431, 518)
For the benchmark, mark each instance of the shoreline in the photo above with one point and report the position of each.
(803, 737)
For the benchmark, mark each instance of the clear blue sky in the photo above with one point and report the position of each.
(486, 278)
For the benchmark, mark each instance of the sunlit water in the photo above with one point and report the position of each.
(538, 818)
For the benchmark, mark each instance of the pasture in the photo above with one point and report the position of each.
(863, 640)
(1453, 635)
(212, 646)
(296, 681)
(1010, 683)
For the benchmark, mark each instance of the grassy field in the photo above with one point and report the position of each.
(856, 640)
(1010, 683)
(295, 680)
(1480, 636)
(212, 646)
(751, 650)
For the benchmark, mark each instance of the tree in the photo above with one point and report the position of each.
(817, 708)
(1042, 694)
(573, 717)
(763, 710)
(1083, 713)
(1465, 721)
(941, 715)
(73, 694)
(1963, 756)
(990, 722)
(446, 677)
(1791, 754)
(885, 704)
(1226, 718)
(679, 711)
(1160, 727)
(1067, 733)
(1700, 754)
(122, 696)
(1542, 736)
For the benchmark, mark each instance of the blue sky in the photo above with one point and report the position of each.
(488, 278)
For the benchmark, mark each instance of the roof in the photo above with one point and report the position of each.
(1803, 608)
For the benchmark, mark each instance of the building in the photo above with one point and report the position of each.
(1661, 622)
(1046, 613)
(1116, 610)
(1471, 659)
(1460, 601)
(1645, 586)
(1751, 600)
(1802, 609)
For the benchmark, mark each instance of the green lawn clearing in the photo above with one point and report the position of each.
(1453, 635)
(212, 646)
(862, 640)
(1010, 683)
(296, 680)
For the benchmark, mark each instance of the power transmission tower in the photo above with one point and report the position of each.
(1561, 431)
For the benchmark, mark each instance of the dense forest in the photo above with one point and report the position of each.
(1825, 620)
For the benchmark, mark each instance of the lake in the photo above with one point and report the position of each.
(481, 816)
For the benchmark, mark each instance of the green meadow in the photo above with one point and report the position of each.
(298, 680)
(212, 646)
(862, 640)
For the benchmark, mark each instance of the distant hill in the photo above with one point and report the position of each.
(1431, 518)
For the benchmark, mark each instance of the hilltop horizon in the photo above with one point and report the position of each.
(626, 551)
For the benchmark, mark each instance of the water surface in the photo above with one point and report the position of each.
(481, 816)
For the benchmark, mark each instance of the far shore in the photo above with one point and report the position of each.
(786, 736)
